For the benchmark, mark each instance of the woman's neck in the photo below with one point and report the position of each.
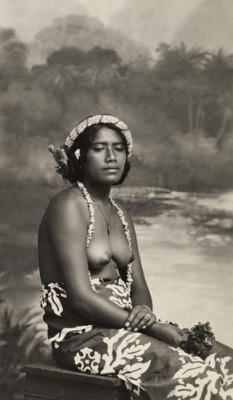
(97, 191)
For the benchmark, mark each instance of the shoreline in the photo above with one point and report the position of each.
(186, 246)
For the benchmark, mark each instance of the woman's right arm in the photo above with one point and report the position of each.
(67, 221)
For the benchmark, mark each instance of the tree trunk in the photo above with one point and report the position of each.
(190, 113)
(221, 132)
(199, 112)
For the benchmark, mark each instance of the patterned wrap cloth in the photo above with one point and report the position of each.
(145, 364)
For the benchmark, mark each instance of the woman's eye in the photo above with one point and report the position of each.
(119, 148)
(99, 148)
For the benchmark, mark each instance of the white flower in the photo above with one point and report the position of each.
(108, 119)
(81, 127)
(95, 119)
(73, 134)
(77, 153)
(121, 125)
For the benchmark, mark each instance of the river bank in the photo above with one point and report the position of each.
(186, 247)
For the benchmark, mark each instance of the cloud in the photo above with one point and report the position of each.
(30, 16)
(205, 23)
(209, 25)
(152, 21)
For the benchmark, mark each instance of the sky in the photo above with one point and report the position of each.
(30, 16)
(198, 23)
(205, 23)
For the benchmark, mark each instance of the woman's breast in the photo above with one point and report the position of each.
(104, 250)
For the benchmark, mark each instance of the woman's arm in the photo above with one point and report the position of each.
(141, 316)
(140, 292)
(67, 220)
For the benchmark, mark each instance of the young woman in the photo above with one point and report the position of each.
(96, 301)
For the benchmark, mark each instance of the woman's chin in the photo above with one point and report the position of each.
(113, 180)
(110, 179)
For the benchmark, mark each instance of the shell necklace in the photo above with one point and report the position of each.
(91, 227)
(108, 222)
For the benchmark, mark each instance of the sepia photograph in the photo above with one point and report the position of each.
(116, 141)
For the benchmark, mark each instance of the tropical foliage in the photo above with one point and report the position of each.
(21, 342)
(181, 102)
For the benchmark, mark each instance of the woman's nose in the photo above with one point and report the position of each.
(110, 156)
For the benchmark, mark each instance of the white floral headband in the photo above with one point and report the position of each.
(60, 155)
(104, 119)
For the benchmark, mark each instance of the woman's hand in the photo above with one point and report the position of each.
(168, 333)
(139, 318)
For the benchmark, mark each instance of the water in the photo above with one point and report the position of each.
(186, 254)
(188, 282)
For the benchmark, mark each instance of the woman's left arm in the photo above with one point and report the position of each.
(141, 316)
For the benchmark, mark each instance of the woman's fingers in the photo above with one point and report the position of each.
(150, 322)
(134, 312)
(144, 322)
(139, 318)
(139, 321)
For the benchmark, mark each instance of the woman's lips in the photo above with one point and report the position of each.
(111, 169)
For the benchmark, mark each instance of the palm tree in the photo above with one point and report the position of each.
(70, 69)
(103, 68)
(219, 70)
(62, 80)
(219, 76)
(180, 72)
(225, 102)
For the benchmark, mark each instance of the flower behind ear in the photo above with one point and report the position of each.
(77, 154)
(61, 159)
(51, 148)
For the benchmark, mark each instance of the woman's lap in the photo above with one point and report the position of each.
(160, 369)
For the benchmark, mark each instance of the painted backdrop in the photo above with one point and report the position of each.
(165, 67)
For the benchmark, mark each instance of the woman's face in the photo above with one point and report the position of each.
(106, 158)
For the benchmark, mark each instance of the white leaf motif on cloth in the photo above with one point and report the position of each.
(128, 348)
(190, 370)
(59, 337)
(226, 393)
(213, 360)
(123, 303)
(133, 388)
(209, 382)
(52, 296)
(132, 373)
(120, 295)
(87, 360)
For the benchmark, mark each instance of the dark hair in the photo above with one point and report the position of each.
(84, 142)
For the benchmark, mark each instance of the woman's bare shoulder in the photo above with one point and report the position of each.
(68, 203)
